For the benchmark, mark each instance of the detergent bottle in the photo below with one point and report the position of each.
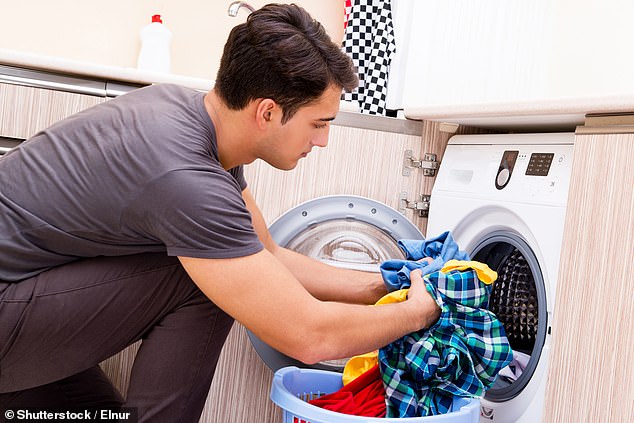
(155, 47)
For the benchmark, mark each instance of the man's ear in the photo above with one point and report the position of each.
(266, 112)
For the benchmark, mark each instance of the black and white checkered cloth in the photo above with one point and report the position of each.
(369, 41)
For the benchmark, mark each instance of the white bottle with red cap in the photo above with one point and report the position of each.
(155, 47)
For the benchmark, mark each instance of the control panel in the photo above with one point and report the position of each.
(539, 164)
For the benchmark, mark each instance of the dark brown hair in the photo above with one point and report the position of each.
(281, 53)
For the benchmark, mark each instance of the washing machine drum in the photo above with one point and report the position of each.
(344, 231)
(518, 299)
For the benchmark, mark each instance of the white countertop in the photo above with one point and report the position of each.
(546, 114)
(75, 67)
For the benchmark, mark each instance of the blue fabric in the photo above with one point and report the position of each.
(460, 355)
(441, 248)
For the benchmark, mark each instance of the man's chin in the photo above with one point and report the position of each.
(290, 167)
(284, 166)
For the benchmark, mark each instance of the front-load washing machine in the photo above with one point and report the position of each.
(345, 231)
(504, 197)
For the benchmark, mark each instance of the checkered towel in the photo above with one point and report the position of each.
(460, 355)
(369, 42)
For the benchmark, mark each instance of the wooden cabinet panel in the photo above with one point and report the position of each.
(591, 375)
(27, 110)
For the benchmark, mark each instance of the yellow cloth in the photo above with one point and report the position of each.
(360, 364)
(393, 297)
(485, 274)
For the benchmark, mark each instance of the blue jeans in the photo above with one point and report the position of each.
(57, 326)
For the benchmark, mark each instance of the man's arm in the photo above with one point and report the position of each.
(324, 282)
(262, 294)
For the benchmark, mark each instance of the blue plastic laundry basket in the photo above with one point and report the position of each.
(293, 387)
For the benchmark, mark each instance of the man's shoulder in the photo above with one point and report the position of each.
(165, 88)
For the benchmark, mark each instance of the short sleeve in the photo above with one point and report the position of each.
(238, 173)
(195, 213)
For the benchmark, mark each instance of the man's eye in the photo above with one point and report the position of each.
(320, 125)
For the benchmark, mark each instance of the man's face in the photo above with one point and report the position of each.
(308, 128)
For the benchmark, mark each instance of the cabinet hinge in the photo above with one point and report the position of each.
(422, 206)
(428, 163)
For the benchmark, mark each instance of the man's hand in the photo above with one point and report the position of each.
(424, 305)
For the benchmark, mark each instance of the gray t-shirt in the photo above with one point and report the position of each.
(139, 173)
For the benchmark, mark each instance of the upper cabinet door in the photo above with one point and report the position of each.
(465, 52)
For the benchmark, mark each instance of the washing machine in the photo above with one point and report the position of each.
(504, 198)
(345, 231)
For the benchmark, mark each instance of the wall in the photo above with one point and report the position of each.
(107, 33)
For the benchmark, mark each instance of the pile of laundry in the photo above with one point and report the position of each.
(459, 356)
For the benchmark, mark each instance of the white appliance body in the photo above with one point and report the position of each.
(510, 189)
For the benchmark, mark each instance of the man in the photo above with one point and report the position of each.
(132, 220)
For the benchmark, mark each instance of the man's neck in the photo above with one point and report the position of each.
(234, 132)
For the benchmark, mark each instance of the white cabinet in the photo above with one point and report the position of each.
(461, 52)
(465, 52)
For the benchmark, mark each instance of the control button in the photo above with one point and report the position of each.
(503, 177)
(507, 164)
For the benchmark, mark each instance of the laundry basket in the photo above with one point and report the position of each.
(293, 387)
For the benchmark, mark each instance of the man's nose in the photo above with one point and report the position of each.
(321, 140)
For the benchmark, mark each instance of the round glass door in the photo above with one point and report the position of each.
(347, 243)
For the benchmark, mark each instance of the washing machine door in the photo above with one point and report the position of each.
(344, 231)
(518, 299)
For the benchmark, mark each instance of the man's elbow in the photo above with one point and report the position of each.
(316, 347)
(310, 354)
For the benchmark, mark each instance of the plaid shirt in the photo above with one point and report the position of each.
(460, 355)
